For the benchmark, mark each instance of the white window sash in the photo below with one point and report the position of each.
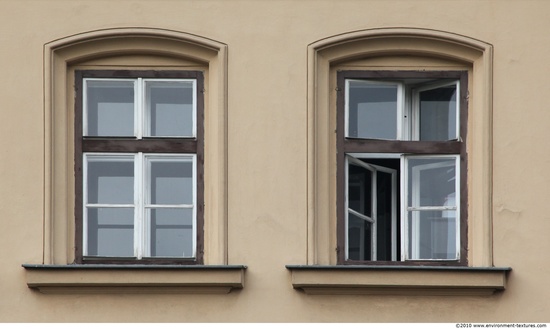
(413, 254)
(141, 229)
(401, 132)
(415, 107)
(374, 204)
(145, 115)
(141, 119)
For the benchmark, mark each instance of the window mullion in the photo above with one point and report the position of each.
(415, 115)
(374, 210)
(394, 217)
(402, 113)
(140, 120)
(84, 118)
(415, 215)
(457, 118)
(404, 222)
(346, 111)
(84, 203)
(138, 209)
(457, 203)
(195, 205)
(195, 92)
(346, 203)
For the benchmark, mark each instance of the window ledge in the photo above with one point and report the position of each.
(398, 280)
(196, 279)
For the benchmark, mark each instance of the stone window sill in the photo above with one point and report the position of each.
(197, 279)
(398, 280)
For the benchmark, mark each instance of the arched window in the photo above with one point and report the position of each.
(403, 68)
(386, 122)
(131, 85)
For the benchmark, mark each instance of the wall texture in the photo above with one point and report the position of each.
(263, 100)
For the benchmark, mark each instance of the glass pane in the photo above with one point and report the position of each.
(438, 114)
(111, 232)
(171, 232)
(359, 238)
(171, 181)
(432, 234)
(432, 182)
(372, 110)
(170, 107)
(360, 190)
(110, 181)
(110, 108)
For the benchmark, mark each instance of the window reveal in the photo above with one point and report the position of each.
(139, 166)
(401, 166)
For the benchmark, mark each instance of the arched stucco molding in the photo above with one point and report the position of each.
(336, 50)
(80, 47)
(159, 48)
(424, 41)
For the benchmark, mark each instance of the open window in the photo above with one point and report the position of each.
(431, 209)
(420, 59)
(371, 211)
(401, 167)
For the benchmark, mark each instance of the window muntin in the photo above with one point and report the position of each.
(407, 221)
(141, 182)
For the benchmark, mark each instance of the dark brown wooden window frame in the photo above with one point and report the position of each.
(346, 145)
(133, 145)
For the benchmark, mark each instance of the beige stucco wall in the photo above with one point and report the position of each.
(267, 152)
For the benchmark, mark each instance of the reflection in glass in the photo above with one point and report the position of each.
(372, 110)
(170, 106)
(171, 181)
(432, 234)
(110, 182)
(431, 181)
(432, 207)
(438, 114)
(171, 232)
(110, 232)
(109, 108)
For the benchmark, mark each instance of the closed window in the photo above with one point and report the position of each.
(402, 166)
(138, 162)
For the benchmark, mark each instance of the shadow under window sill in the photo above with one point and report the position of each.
(398, 280)
(136, 279)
